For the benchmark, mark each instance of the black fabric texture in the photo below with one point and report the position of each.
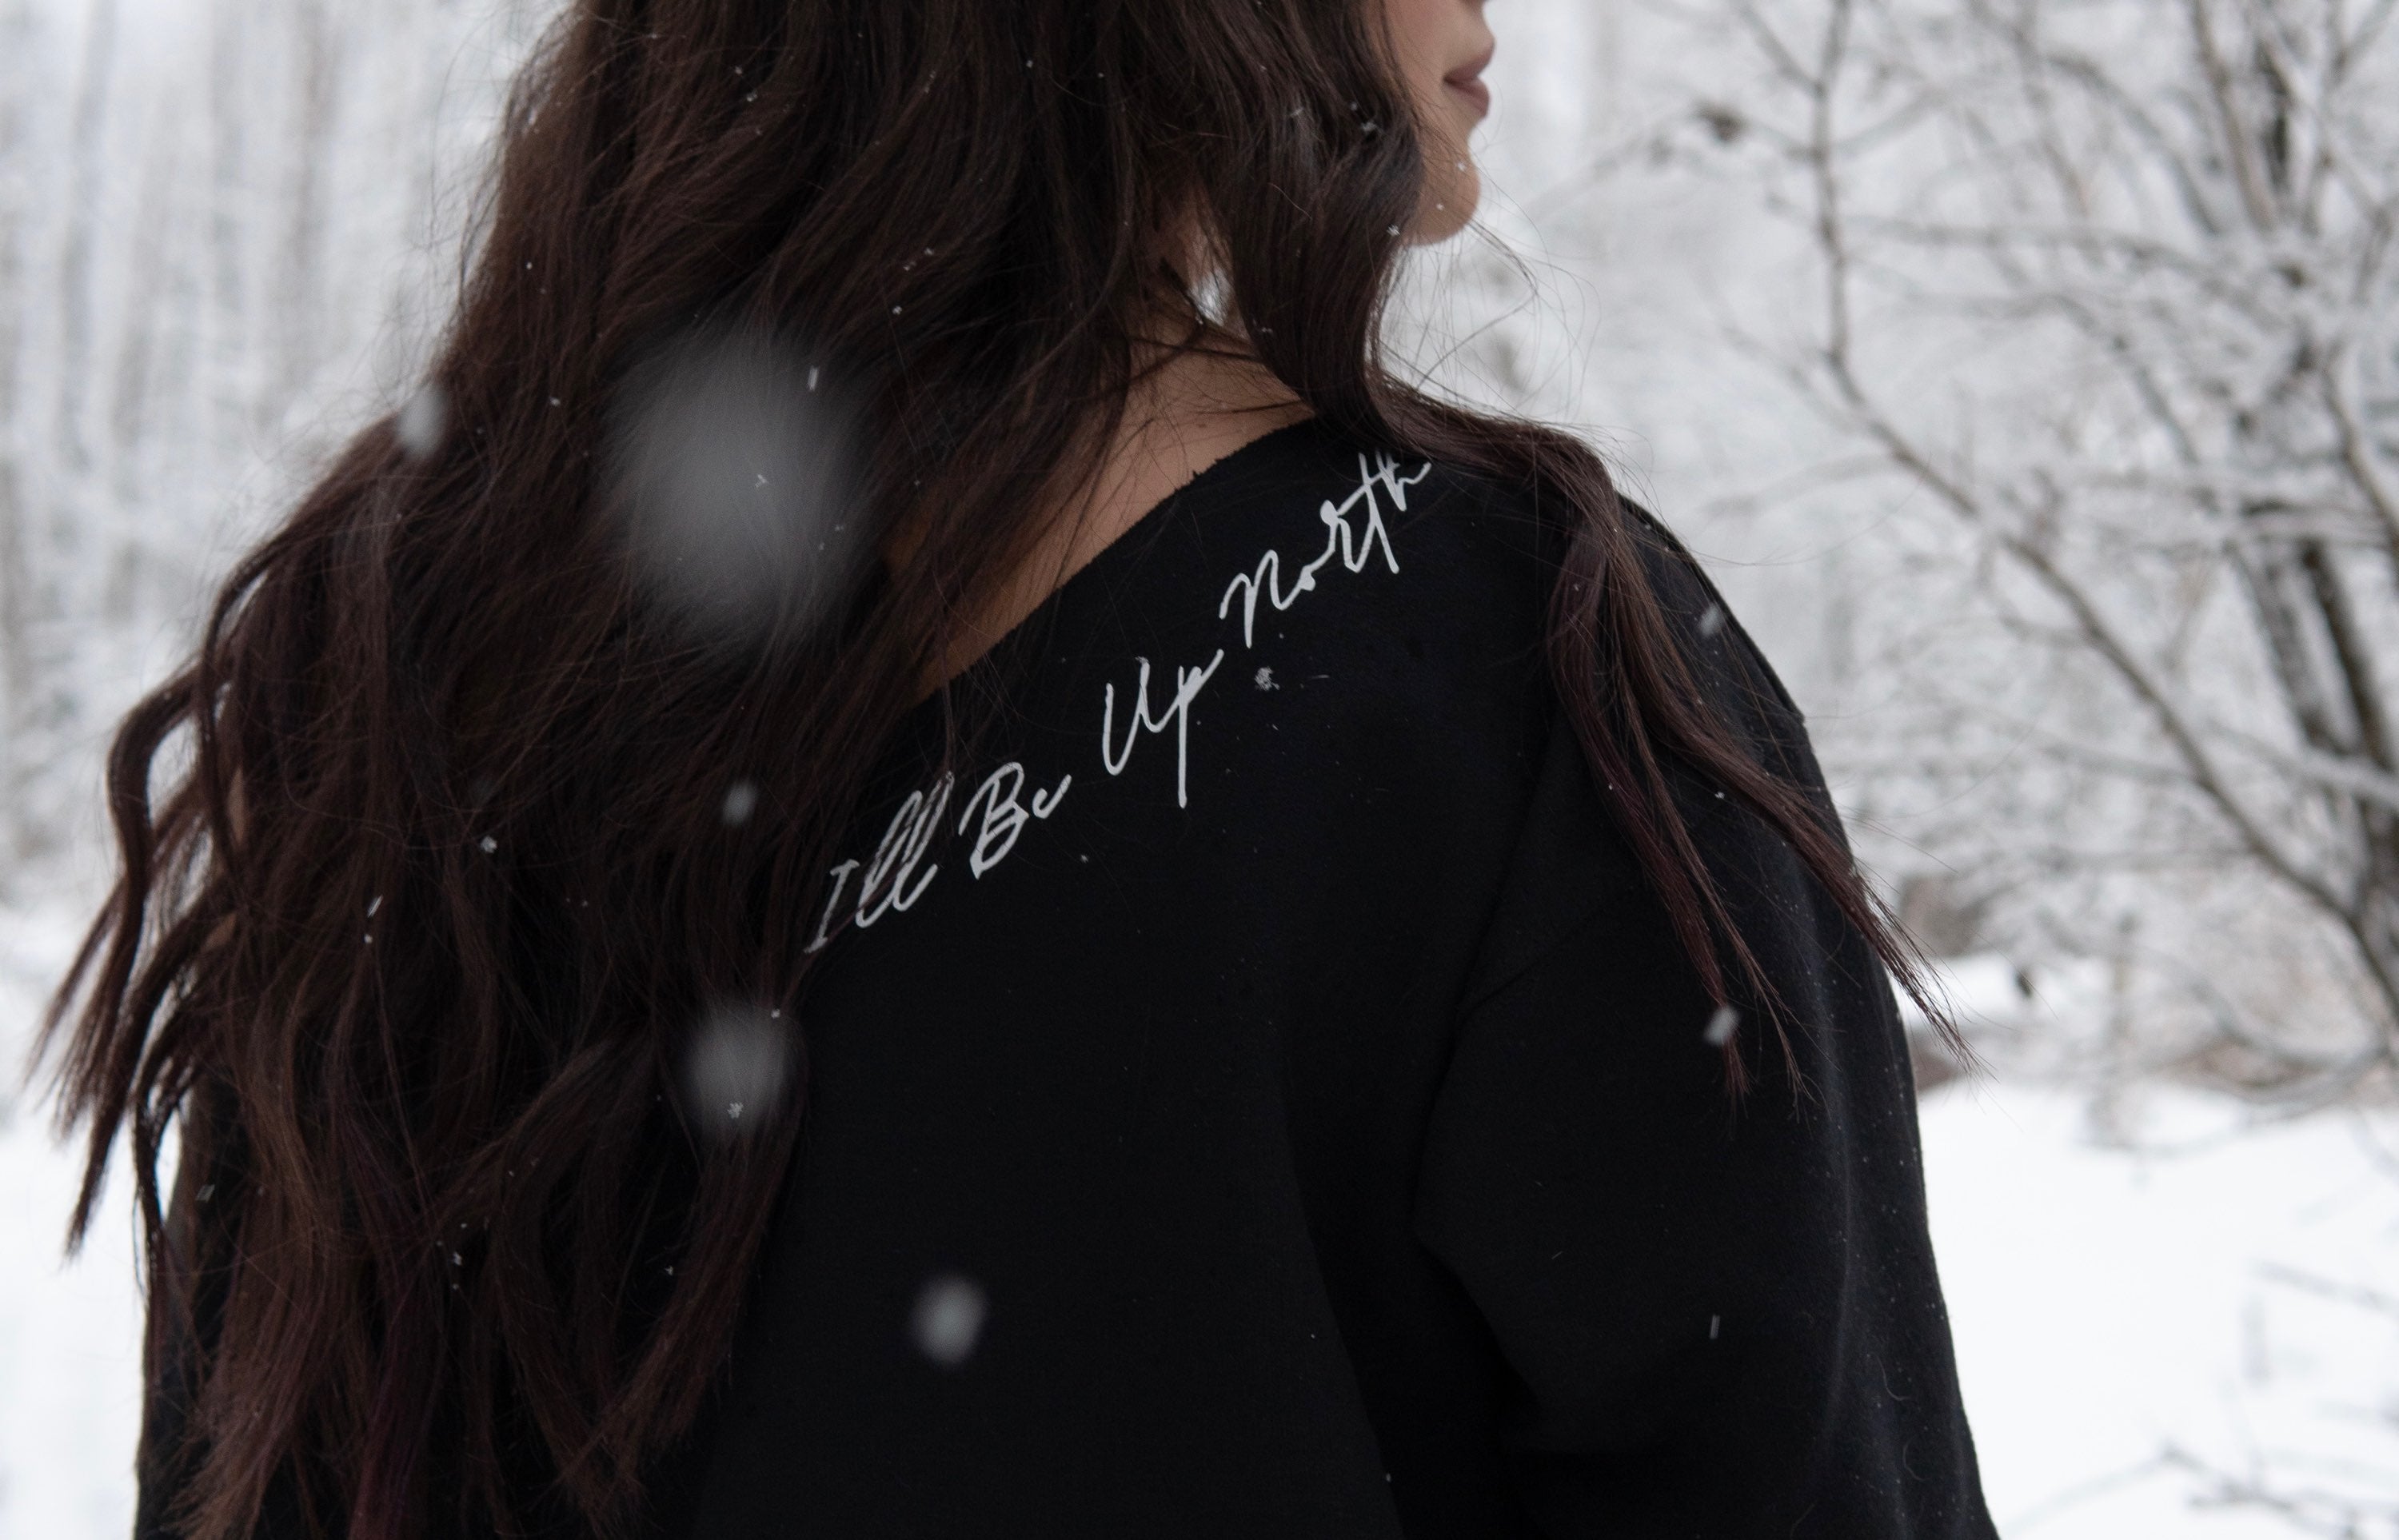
(1274, 1030)
(1338, 1146)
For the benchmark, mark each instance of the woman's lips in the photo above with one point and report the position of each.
(1467, 81)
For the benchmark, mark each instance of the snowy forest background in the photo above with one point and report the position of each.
(2028, 372)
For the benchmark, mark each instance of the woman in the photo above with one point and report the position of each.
(917, 858)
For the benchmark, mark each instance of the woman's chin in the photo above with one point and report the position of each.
(1447, 214)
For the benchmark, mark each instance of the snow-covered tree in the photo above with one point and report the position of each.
(225, 229)
(2098, 301)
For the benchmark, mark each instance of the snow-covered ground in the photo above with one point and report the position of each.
(70, 1352)
(2111, 1305)
(2137, 1326)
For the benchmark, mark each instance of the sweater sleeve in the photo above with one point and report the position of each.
(1720, 1319)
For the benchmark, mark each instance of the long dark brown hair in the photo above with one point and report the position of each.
(408, 943)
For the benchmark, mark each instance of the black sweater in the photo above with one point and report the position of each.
(1281, 1038)
(1268, 1027)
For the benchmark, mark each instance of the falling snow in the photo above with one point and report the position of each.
(730, 474)
(738, 1057)
(422, 421)
(948, 1319)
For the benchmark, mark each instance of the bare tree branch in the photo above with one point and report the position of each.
(2224, 356)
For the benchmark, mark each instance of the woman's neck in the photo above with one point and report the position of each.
(1189, 410)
